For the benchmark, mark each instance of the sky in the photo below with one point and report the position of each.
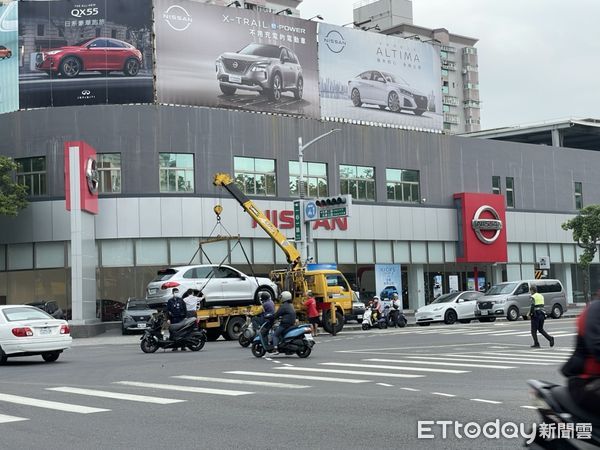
(539, 60)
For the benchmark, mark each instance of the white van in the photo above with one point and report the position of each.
(512, 299)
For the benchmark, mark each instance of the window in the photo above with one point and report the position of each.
(445, 90)
(446, 108)
(176, 172)
(358, 181)
(444, 72)
(31, 172)
(255, 176)
(315, 178)
(496, 188)
(40, 29)
(510, 192)
(444, 54)
(109, 172)
(98, 32)
(113, 34)
(578, 195)
(403, 185)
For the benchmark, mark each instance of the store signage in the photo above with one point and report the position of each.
(284, 220)
(481, 225)
(80, 155)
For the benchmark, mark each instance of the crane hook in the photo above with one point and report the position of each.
(218, 209)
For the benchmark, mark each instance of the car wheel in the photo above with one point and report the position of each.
(355, 96)
(227, 90)
(50, 356)
(450, 317)
(557, 311)
(212, 334)
(132, 67)
(234, 328)
(512, 314)
(70, 67)
(258, 350)
(275, 91)
(3, 357)
(394, 101)
(419, 112)
(9, 54)
(300, 89)
(328, 327)
(465, 320)
(124, 331)
(304, 352)
(423, 324)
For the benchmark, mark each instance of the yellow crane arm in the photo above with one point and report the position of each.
(292, 255)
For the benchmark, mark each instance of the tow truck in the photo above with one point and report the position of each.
(330, 288)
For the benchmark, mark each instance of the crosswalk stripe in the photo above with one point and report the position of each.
(565, 335)
(7, 419)
(190, 389)
(494, 332)
(411, 389)
(115, 395)
(494, 402)
(351, 372)
(492, 359)
(513, 333)
(380, 366)
(303, 377)
(443, 395)
(533, 354)
(251, 382)
(529, 407)
(66, 407)
(438, 363)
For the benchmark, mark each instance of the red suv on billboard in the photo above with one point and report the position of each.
(97, 54)
(5, 52)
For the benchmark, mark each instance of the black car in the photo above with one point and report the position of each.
(51, 307)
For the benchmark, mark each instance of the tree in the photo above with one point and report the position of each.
(13, 196)
(586, 232)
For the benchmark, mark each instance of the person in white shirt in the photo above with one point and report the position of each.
(192, 301)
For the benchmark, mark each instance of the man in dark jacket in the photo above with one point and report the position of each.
(288, 318)
(176, 310)
(583, 368)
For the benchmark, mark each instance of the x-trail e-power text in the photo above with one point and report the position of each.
(99, 54)
(5, 52)
(387, 91)
(268, 69)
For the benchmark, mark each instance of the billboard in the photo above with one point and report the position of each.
(9, 57)
(388, 280)
(85, 53)
(372, 78)
(210, 55)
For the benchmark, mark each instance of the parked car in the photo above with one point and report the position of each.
(97, 54)
(387, 91)
(5, 52)
(220, 285)
(26, 330)
(268, 69)
(449, 308)
(513, 299)
(358, 310)
(109, 310)
(51, 307)
(136, 315)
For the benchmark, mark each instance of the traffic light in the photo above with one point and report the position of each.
(331, 202)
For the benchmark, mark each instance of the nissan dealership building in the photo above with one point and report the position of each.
(453, 212)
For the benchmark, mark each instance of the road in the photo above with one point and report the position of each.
(359, 389)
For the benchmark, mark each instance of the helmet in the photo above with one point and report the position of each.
(394, 296)
(264, 296)
(376, 298)
(286, 296)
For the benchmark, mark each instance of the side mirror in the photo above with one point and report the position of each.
(242, 277)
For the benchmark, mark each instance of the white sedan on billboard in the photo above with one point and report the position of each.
(375, 87)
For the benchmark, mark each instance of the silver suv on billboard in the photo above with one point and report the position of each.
(375, 87)
(268, 69)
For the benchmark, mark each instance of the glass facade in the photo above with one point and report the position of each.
(358, 181)
(109, 172)
(255, 176)
(496, 187)
(510, 192)
(31, 172)
(176, 172)
(403, 185)
(315, 179)
(578, 195)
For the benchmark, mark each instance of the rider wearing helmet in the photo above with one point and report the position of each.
(267, 303)
(287, 314)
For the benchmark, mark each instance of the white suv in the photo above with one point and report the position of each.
(220, 285)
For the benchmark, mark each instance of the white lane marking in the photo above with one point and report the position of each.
(564, 335)
(533, 354)
(443, 395)
(7, 419)
(385, 384)
(115, 395)
(380, 366)
(490, 359)
(251, 382)
(352, 372)
(66, 407)
(190, 389)
(493, 332)
(302, 377)
(378, 351)
(493, 402)
(437, 363)
(411, 389)
(529, 407)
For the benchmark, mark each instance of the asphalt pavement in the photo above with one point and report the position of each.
(358, 389)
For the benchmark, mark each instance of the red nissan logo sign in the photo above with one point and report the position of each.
(486, 229)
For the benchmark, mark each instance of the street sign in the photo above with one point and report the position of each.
(544, 262)
(298, 222)
(310, 210)
(333, 212)
(327, 208)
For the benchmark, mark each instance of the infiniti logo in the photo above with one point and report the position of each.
(85, 92)
(480, 224)
(335, 41)
(177, 18)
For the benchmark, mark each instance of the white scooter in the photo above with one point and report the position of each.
(371, 322)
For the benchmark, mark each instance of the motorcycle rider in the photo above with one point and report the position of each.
(176, 310)
(267, 303)
(583, 368)
(395, 311)
(287, 314)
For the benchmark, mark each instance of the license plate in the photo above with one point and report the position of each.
(309, 337)
(484, 312)
(141, 325)
(235, 79)
(45, 331)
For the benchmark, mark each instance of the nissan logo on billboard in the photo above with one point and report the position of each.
(177, 18)
(92, 176)
(487, 230)
(335, 41)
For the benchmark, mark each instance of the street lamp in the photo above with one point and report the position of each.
(288, 11)
(358, 24)
(235, 3)
(318, 16)
(376, 28)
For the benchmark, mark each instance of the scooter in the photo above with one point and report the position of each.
(183, 334)
(296, 340)
(370, 321)
(556, 407)
(396, 318)
(249, 330)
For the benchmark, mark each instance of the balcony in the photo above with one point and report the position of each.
(450, 100)
(448, 48)
(451, 118)
(448, 65)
